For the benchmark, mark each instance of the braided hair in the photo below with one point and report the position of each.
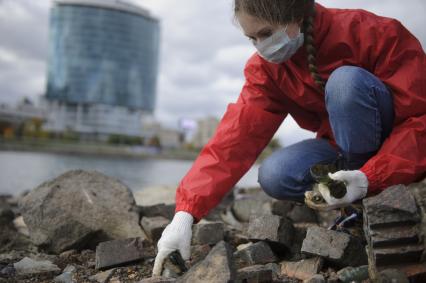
(308, 30)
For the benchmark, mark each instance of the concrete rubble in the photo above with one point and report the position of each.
(394, 229)
(86, 227)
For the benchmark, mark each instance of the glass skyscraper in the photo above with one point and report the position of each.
(103, 52)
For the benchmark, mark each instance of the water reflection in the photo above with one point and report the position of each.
(20, 171)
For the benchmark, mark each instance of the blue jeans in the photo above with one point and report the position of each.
(361, 114)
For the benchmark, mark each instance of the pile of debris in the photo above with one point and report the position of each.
(86, 227)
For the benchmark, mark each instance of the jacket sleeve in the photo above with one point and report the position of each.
(244, 131)
(400, 61)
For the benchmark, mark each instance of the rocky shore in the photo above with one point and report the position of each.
(86, 227)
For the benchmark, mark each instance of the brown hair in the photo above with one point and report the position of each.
(281, 12)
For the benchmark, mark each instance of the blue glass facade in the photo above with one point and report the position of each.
(102, 56)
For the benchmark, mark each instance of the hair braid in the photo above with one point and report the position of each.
(309, 44)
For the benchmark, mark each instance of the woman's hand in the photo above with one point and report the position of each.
(356, 187)
(176, 236)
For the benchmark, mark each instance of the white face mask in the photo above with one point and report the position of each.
(279, 47)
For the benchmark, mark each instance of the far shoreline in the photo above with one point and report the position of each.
(93, 149)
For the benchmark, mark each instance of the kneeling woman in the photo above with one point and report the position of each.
(356, 79)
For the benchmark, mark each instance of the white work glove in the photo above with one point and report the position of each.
(176, 236)
(356, 187)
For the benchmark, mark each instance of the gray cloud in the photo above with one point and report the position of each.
(202, 52)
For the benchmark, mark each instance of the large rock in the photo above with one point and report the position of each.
(80, 209)
(217, 267)
(338, 248)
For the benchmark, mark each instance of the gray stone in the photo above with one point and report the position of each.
(217, 267)
(158, 280)
(154, 226)
(198, 253)
(317, 278)
(382, 237)
(7, 271)
(235, 237)
(338, 248)
(102, 277)
(165, 210)
(302, 270)
(351, 274)
(119, 252)
(28, 266)
(415, 272)
(272, 228)
(281, 207)
(258, 253)
(80, 209)
(302, 213)
(244, 208)
(298, 237)
(395, 205)
(67, 275)
(255, 274)
(207, 233)
(398, 254)
(393, 275)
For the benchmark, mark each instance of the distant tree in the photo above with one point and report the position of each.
(154, 141)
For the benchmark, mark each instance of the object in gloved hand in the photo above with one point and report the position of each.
(174, 265)
(320, 174)
(314, 199)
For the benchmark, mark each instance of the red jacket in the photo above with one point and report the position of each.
(342, 37)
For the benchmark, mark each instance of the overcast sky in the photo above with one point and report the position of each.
(202, 52)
